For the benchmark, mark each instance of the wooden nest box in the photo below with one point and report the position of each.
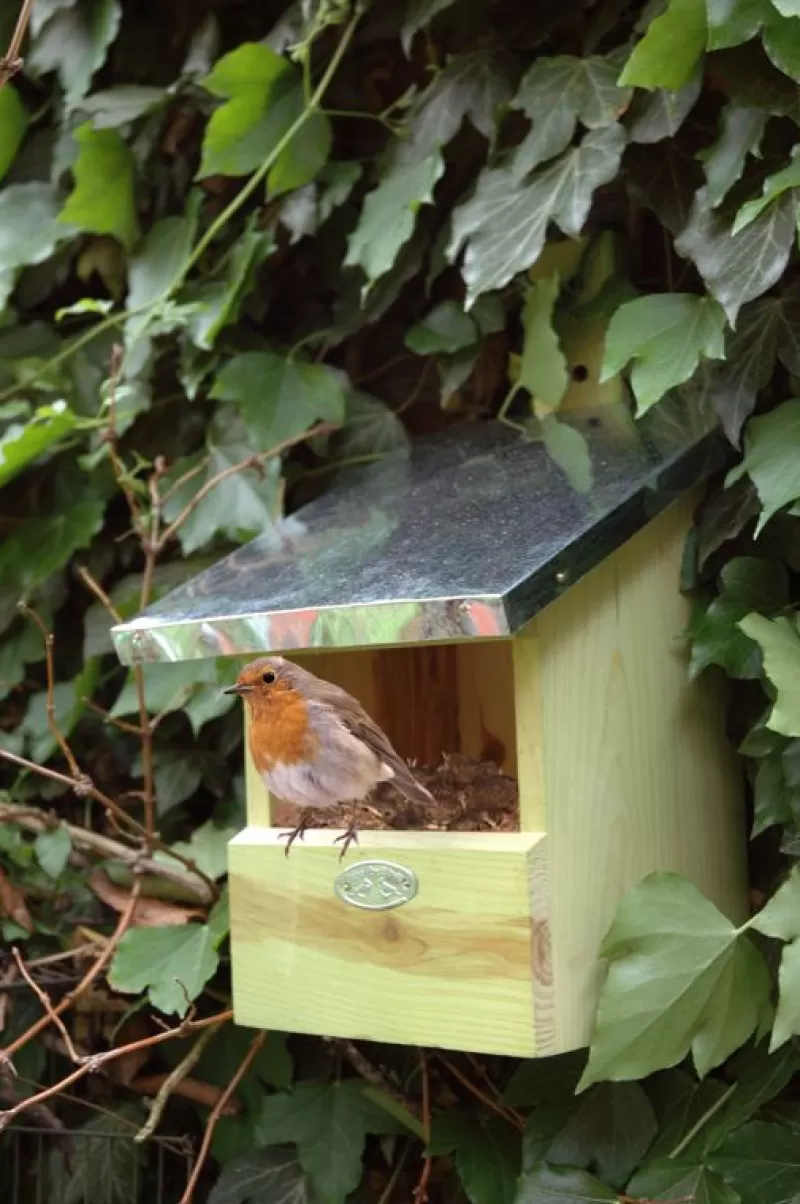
(477, 604)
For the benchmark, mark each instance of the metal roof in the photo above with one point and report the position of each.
(468, 536)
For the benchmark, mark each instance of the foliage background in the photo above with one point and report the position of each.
(287, 215)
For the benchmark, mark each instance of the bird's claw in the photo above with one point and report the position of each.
(293, 835)
(348, 837)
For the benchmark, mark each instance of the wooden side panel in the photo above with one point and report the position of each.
(637, 771)
(486, 723)
(451, 968)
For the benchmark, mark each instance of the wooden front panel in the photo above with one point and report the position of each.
(463, 965)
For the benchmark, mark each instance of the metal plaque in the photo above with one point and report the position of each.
(376, 885)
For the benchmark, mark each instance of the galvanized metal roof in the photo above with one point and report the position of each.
(467, 537)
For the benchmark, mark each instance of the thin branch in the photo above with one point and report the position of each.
(371, 1073)
(244, 1066)
(500, 1109)
(47, 1003)
(171, 1082)
(420, 1193)
(96, 588)
(254, 461)
(97, 1061)
(112, 440)
(50, 706)
(123, 726)
(91, 974)
(12, 62)
(184, 479)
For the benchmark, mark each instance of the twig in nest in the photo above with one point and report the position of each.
(171, 1082)
(244, 1066)
(12, 63)
(47, 1003)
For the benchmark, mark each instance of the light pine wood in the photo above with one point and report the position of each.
(486, 722)
(451, 968)
(636, 770)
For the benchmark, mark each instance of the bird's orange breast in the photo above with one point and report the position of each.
(280, 732)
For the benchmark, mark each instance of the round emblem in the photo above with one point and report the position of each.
(376, 885)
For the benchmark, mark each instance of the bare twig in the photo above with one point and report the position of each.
(513, 1118)
(420, 1192)
(47, 1003)
(205, 1145)
(171, 1082)
(371, 1073)
(12, 62)
(50, 706)
(96, 588)
(131, 728)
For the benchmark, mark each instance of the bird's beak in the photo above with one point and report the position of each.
(239, 688)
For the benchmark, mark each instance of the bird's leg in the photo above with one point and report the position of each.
(350, 834)
(299, 831)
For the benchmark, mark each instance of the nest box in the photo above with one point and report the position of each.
(477, 603)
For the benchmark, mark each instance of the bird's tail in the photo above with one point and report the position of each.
(404, 780)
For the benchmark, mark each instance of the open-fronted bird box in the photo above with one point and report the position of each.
(478, 605)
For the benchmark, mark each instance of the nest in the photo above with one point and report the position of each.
(469, 796)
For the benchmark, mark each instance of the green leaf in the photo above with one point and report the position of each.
(742, 131)
(780, 645)
(445, 328)
(738, 267)
(72, 39)
(659, 114)
(610, 1132)
(261, 1177)
(671, 1180)
(208, 848)
(567, 447)
(769, 459)
(758, 1078)
(102, 200)
(503, 225)
(278, 397)
(23, 443)
(53, 850)
(681, 1103)
(762, 1162)
(103, 1160)
(371, 428)
(680, 978)
(13, 124)
(389, 215)
(780, 918)
(731, 22)
(20, 646)
(666, 335)
(310, 146)
(773, 187)
(587, 92)
(561, 1185)
(221, 300)
(120, 105)
(329, 1123)
(29, 225)
(172, 964)
(236, 139)
(746, 584)
(167, 687)
(156, 265)
(40, 547)
(476, 85)
(670, 50)
(487, 1154)
(543, 368)
(419, 14)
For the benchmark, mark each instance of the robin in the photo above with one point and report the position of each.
(314, 745)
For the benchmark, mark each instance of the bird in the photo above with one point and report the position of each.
(314, 745)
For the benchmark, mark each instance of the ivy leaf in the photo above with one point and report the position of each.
(446, 328)
(261, 1177)
(759, 1078)
(663, 179)
(329, 1123)
(157, 263)
(419, 14)
(561, 1185)
(746, 584)
(779, 919)
(220, 301)
(738, 267)
(731, 22)
(13, 124)
(587, 91)
(487, 1154)
(103, 1162)
(670, 50)
(310, 146)
(680, 978)
(781, 37)
(543, 368)
(208, 848)
(761, 1161)
(389, 215)
(73, 39)
(666, 335)
(733, 385)
(172, 964)
(24, 442)
(53, 850)
(41, 546)
(659, 114)
(504, 224)
(741, 134)
(167, 687)
(780, 645)
(769, 459)
(370, 428)
(475, 85)
(610, 1131)
(567, 447)
(236, 141)
(29, 225)
(774, 186)
(671, 1180)
(279, 397)
(102, 200)
(113, 107)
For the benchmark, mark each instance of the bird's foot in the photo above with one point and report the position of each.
(294, 834)
(348, 837)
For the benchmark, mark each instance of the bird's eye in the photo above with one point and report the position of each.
(269, 677)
